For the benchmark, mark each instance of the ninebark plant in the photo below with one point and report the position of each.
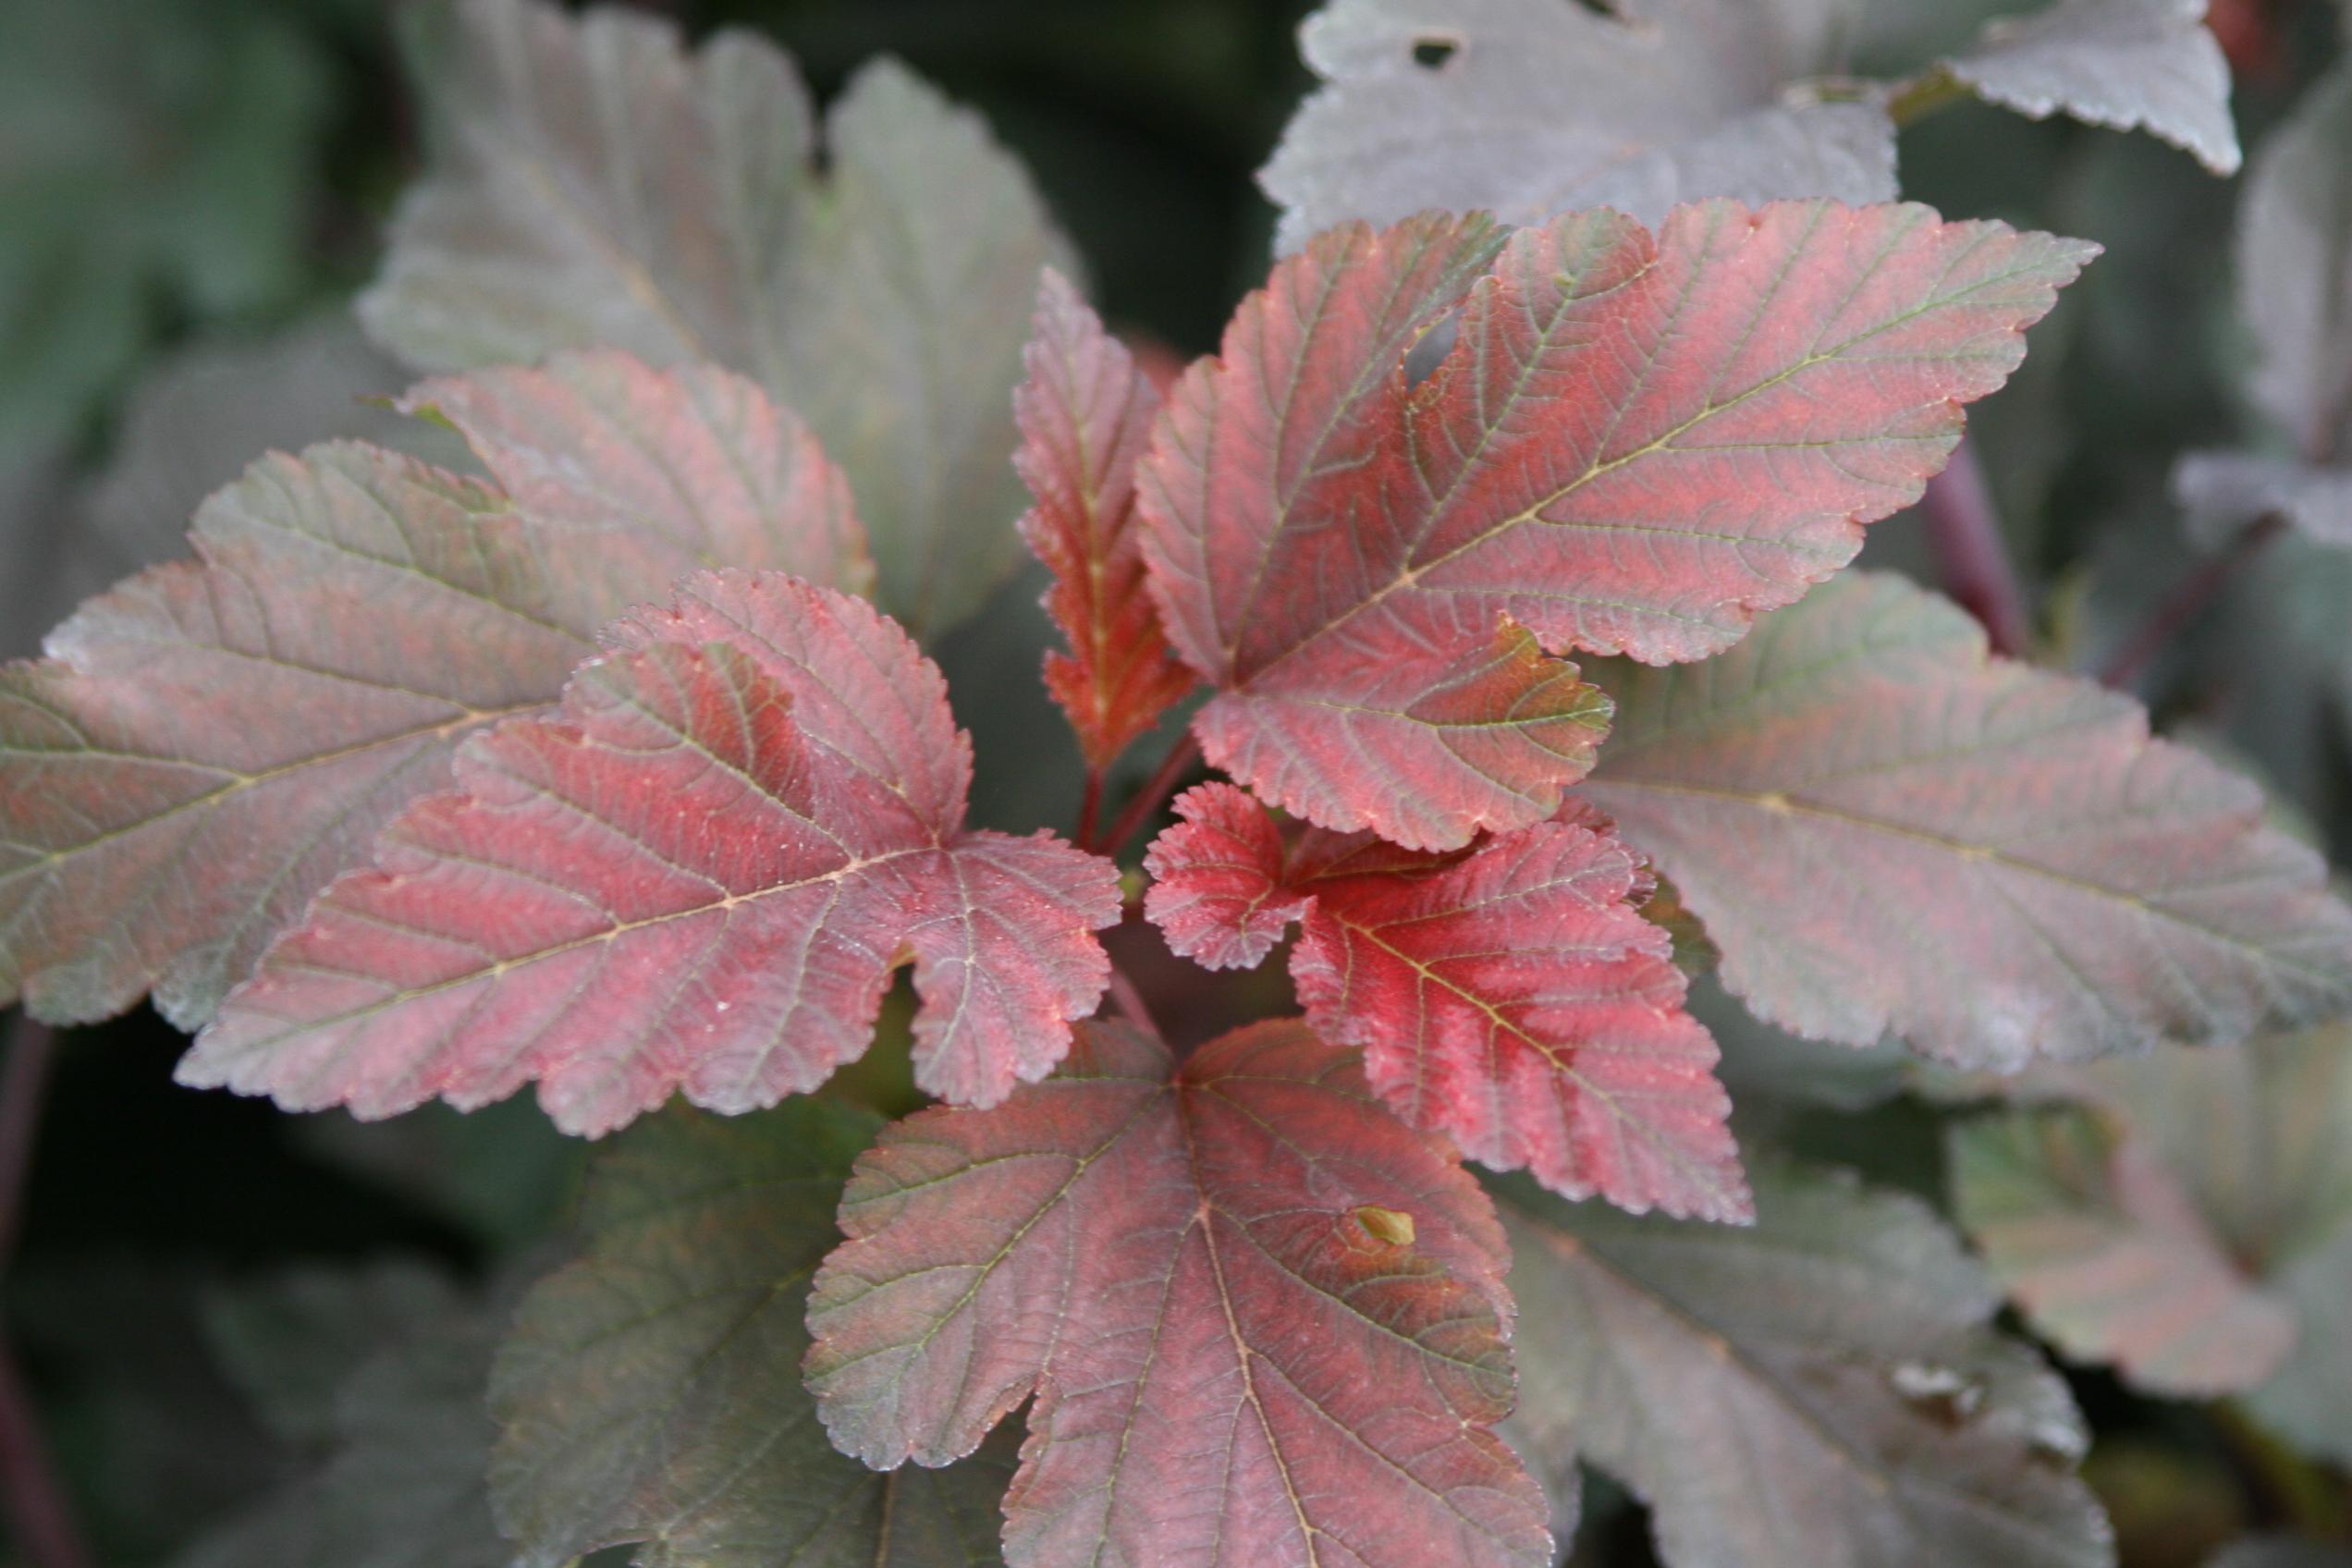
(1487, 592)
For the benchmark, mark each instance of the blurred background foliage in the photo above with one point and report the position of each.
(192, 189)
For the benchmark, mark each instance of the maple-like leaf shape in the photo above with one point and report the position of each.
(1083, 412)
(1637, 443)
(698, 875)
(209, 743)
(1261, 1318)
(2188, 1217)
(1820, 1391)
(1513, 997)
(595, 182)
(2295, 289)
(651, 1390)
(1861, 805)
(2127, 65)
(1529, 108)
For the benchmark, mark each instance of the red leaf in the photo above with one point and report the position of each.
(1637, 443)
(1262, 1321)
(1512, 997)
(1082, 414)
(213, 741)
(697, 875)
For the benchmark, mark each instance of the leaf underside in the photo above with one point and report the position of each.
(1861, 805)
(1513, 998)
(1262, 1319)
(697, 875)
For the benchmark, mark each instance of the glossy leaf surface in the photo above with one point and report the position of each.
(1261, 1319)
(651, 1390)
(1513, 998)
(209, 743)
(596, 183)
(696, 876)
(1637, 443)
(1861, 805)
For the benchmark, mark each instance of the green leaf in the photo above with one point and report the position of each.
(2191, 1222)
(290, 1342)
(594, 183)
(1819, 1391)
(651, 1390)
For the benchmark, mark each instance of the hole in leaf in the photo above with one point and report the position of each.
(1431, 54)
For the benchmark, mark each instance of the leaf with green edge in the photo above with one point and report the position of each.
(2294, 291)
(212, 743)
(1637, 443)
(1513, 997)
(1861, 803)
(696, 876)
(2190, 1221)
(1083, 412)
(1530, 108)
(2127, 65)
(1821, 1390)
(1262, 1321)
(650, 1391)
(596, 183)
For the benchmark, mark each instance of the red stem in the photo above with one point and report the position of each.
(1149, 799)
(39, 1514)
(2181, 608)
(1090, 809)
(1972, 559)
(1131, 1002)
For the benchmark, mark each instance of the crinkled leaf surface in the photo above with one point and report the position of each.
(2130, 65)
(1530, 108)
(1513, 998)
(1262, 1319)
(697, 875)
(1083, 412)
(207, 746)
(1860, 803)
(1637, 443)
(2295, 289)
(596, 183)
(651, 1390)
(1820, 1391)
(2191, 1222)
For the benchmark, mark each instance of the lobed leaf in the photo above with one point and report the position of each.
(1083, 412)
(2189, 1220)
(697, 876)
(1513, 998)
(1637, 443)
(2128, 65)
(209, 744)
(1531, 108)
(2295, 289)
(1861, 803)
(1261, 1320)
(651, 1390)
(596, 183)
(1821, 1390)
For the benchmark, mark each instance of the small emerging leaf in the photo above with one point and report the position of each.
(1863, 805)
(1228, 1366)
(697, 875)
(1513, 998)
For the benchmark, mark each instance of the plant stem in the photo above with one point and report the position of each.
(39, 1514)
(1924, 96)
(1131, 1002)
(2188, 601)
(1971, 557)
(1155, 790)
(1090, 808)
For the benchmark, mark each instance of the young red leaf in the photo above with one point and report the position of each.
(213, 742)
(1262, 1321)
(698, 875)
(1862, 806)
(1637, 443)
(1513, 997)
(1083, 412)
